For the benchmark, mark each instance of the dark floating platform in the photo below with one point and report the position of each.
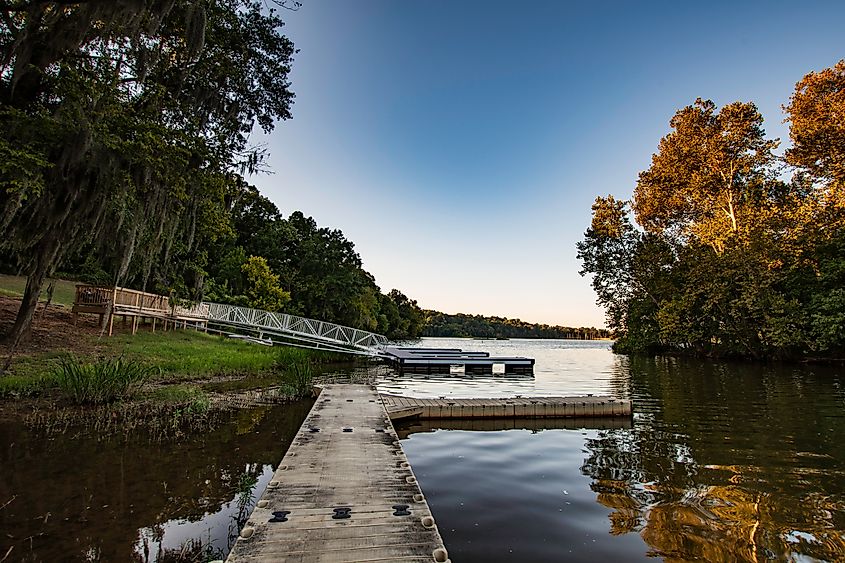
(441, 360)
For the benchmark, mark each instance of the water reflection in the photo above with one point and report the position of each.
(727, 461)
(405, 429)
(84, 499)
(723, 462)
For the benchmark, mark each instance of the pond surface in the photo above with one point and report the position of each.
(83, 499)
(722, 461)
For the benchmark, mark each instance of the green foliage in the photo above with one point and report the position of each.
(607, 252)
(104, 381)
(734, 262)
(318, 266)
(22, 161)
(263, 287)
(125, 132)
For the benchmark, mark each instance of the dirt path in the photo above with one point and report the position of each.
(52, 330)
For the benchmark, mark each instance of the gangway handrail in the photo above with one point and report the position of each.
(284, 324)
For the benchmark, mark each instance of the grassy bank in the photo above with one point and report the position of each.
(168, 384)
(63, 294)
(69, 377)
(178, 356)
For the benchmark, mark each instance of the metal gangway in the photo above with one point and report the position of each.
(293, 330)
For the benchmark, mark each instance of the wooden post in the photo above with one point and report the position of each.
(154, 324)
(111, 309)
(135, 316)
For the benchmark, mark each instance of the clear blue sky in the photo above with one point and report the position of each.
(461, 143)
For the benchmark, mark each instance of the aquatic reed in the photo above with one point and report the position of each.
(100, 382)
(297, 379)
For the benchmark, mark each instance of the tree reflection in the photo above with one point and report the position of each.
(82, 496)
(720, 464)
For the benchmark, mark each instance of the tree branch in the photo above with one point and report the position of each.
(26, 6)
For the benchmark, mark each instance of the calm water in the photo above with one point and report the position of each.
(83, 499)
(722, 462)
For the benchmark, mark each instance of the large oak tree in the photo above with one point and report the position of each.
(126, 124)
(708, 175)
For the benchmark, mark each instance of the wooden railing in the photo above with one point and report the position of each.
(126, 302)
(132, 299)
(92, 295)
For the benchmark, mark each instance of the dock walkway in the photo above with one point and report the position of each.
(343, 492)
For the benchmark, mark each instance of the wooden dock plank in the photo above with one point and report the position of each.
(362, 473)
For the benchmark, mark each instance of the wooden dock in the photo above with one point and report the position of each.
(344, 492)
(120, 301)
(519, 407)
(441, 360)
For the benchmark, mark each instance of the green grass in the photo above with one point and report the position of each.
(186, 354)
(17, 385)
(178, 356)
(63, 294)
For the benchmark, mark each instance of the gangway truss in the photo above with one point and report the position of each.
(308, 333)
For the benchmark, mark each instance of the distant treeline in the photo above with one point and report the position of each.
(462, 326)
(728, 258)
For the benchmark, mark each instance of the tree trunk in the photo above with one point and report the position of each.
(43, 262)
(23, 323)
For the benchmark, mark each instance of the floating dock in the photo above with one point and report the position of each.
(441, 360)
(519, 407)
(344, 492)
(415, 426)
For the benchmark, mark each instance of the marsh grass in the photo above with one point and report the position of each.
(287, 356)
(153, 420)
(100, 382)
(297, 379)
